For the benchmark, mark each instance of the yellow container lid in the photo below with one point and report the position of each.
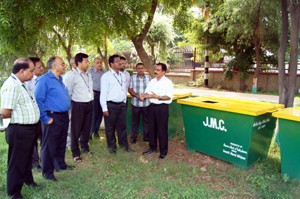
(292, 113)
(178, 95)
(246, 107)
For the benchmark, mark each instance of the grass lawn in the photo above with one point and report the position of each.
(182, 174)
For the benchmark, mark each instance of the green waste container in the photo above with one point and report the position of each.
(289, 136)
(175, 123)
(236, 131)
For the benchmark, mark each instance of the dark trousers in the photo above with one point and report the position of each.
(20, 139)
(116, 121)
(80, 126)
(136, 112)
(158, 127)
(54, 141)
(35, 154)
(97, 115)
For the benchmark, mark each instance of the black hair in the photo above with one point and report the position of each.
(163, 66)
(140, 63)
(123, 58)
(34, 59)
(79, 57)
(19, 64)
(111, 59)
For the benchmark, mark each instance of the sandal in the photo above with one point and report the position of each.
(77, 159)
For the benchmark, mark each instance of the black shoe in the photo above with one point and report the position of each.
(149, 151)
(129, 150)
(53, 179)
(68, 167)
(36, 166)
(86, 151)
(133, 141)
(162, 156)
(113, 151)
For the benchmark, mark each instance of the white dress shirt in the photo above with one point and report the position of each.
(113, 88)
(162, 87)
(80, 85)
(30, 85)
(127, 76)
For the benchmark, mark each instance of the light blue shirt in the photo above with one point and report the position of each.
(113, 88)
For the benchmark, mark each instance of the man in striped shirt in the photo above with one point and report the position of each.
(138, 86)
(21, 108)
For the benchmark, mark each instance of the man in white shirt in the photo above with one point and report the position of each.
(80, 87)
(113, 102)
(160, 93)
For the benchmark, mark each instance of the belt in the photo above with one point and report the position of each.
(24, 125)
(163, 104)
(90, 102)
(117, 103)
(96, 91)
(57, 113)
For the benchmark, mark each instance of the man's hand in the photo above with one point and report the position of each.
(50, 121)
(105, 114)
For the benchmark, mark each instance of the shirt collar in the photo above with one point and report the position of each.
(114, 72)
(53, 76)
(16, 78)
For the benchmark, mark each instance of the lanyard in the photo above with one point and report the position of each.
(23, 85)
(121, 83)
(86, 83)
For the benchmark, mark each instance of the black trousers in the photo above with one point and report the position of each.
(97, 114)
(80, 126)
(116, 121)
(158, 127)
(20, 139)
(54, 141)
(136, 112)
(35, 154)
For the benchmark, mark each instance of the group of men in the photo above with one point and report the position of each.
(45, 105)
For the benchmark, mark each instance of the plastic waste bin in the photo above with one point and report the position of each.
(175, 123)
(289, 136)
(236, 131)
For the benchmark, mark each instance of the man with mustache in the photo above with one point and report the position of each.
(160, 93)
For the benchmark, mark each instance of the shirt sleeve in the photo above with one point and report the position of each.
(68, 81)
(131, 82)
(103, 93)
(9, 98)
(170, 89)
(149, 88)
(40, 96)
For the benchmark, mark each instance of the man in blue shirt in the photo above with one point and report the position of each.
(53, 101)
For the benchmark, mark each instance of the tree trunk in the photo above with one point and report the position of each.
(257, 47)
(66, 47)
(281, 53)
(295, 16)
(137, 40)
(138, 44)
